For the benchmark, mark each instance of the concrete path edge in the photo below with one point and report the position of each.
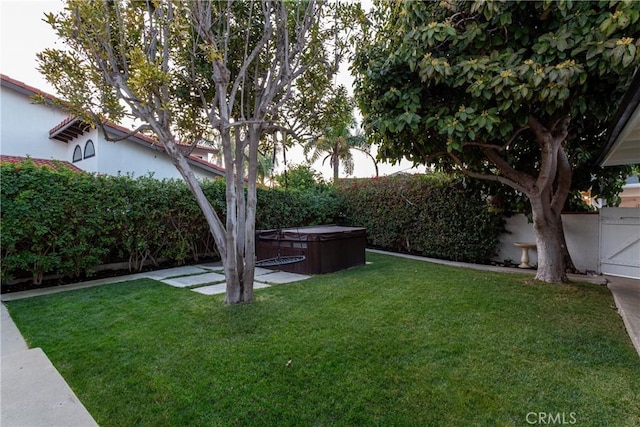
(33, 393)
(626, 295)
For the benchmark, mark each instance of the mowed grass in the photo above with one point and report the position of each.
(394, 343)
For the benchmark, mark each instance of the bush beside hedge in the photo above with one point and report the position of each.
(433, 215)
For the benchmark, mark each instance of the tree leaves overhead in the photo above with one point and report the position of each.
(445, 77)
(516, 93)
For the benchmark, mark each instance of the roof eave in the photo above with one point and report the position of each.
(626, 118)
(147, 142)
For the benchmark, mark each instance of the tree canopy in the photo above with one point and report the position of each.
(197, 71)
(301, 177)
(517, 93)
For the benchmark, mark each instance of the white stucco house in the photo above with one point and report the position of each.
(46, 131)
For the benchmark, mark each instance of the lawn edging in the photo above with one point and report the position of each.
(597, 280)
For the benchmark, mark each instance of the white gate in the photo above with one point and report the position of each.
(620, 242)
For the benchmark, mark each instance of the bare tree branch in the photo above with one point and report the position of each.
(494, 146)
(487, 177)
(523, 180)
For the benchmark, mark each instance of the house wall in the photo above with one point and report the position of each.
(24, 128)
(630, 196)
(24, 131)
(582, 233)
(131, 158)
(88, 164)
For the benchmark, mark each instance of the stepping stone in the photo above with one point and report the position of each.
(215, 264)
(173, 272)
(283, 277)
(218, 266)
(199, 279)
(220, 288)
(262, 271)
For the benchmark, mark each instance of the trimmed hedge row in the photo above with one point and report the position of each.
(433, 215)
(64, 222)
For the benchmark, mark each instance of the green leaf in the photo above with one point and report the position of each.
(629, 55)
(537, 79)
(544, 93)
(505, 19)
(593, 51)
(522, 117)
(616, 54)
(561, 44)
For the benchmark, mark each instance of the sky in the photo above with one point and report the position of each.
(23, 33)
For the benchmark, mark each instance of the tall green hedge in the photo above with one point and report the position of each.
(64, 222)
(433, 215)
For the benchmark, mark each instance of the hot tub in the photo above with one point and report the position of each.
(326, 248)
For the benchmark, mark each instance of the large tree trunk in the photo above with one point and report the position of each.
(230, 262)
(546, 192)
(236, 290)
(547, 196)
(547, 226)
(250, 224)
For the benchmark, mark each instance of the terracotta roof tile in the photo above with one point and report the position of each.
(62, 124)
(26, 87)
(54, 164)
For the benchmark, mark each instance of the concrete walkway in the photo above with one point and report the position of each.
(626, 294)
(207, 279)
(33, 393)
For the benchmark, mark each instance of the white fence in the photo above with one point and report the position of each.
(620, 242)
(582, 233)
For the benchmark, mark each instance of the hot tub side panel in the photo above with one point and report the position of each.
(340, 254)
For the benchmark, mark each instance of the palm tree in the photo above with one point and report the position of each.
(337, 140)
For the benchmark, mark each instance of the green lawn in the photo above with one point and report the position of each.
(394, 343)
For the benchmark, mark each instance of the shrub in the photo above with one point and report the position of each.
(52, 221)
(301, 177)
(433, 215)
(64, 222)
(281, 208)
